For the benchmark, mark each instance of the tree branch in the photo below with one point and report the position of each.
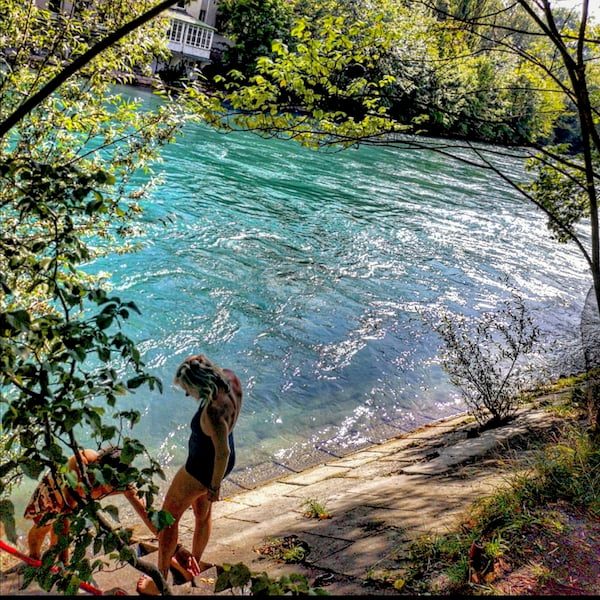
(78, 63)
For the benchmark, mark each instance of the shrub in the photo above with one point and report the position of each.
(484, 358)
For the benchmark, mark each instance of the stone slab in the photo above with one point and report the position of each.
(379, 468)
(333, 449)
(356, 523)
(356, 559)
(396, 445)
(308, 457)
(324, 490)
(229, 530)
(434, 467)
(318, 474)
(266, 493)
(355, 460)
(257, 514)
(256, 475)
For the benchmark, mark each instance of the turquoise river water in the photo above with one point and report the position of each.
(305, 272)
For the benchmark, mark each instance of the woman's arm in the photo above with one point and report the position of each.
(140, 508)
(219, 433)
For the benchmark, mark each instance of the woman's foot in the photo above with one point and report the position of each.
(146, 587)
(180, 573)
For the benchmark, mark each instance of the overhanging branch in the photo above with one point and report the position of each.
(78, 63)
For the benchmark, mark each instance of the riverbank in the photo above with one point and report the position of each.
(379, 500)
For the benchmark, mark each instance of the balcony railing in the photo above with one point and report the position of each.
(189, 39)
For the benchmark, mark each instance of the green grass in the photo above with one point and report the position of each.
(566, 469)
(314, 509)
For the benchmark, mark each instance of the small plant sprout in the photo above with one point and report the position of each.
(289, 549)
(313, 509)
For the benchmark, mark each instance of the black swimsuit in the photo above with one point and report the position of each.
(201, 453)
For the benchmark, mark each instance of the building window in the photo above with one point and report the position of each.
(191, 36)
(175, 31)
(54, 5)
(202, 15)
(198, 37)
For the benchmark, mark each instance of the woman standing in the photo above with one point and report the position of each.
(211, 457)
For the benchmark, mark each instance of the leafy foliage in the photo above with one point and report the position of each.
(252, 26)
(349, 71)
(239, 577)
(66, 199)
(561, 190)
(484, 357)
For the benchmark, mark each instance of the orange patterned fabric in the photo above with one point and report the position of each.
(45, 499)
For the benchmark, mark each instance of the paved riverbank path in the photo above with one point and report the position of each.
(380, 500)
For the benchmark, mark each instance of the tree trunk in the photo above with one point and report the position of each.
(590, 341)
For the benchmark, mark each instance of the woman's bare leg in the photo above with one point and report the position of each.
(184, 489)
(55, 537)
(35, 539)
(202, 512)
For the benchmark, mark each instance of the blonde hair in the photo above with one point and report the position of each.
(205, 377)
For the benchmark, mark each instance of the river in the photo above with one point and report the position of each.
(306, 273)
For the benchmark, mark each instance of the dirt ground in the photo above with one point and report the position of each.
(563, 562)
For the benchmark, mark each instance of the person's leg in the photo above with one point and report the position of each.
(55, 537)
(35, 539)
(202, 512)
(184, 489)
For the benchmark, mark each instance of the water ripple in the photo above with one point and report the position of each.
(307, 273)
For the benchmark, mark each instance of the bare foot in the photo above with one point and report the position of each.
(146, 587)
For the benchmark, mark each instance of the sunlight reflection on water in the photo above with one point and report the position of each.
(306, 274)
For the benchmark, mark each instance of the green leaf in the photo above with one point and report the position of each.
(136, 381)
(97, 545)
(161, 519)
(126, 554)
(239, 575)
(104, 321)
(113, 511)
(31, 468)
(7, 518)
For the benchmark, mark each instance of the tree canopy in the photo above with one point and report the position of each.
(66, 198)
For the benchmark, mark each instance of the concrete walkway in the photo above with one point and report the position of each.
(380, 499)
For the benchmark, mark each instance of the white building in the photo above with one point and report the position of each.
(192, 32)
